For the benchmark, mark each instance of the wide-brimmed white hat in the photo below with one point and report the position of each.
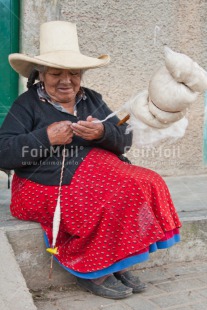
(59, 48)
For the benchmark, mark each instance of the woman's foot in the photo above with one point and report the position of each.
(131, 281)
(109, 288)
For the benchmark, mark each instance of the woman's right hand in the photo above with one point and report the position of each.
(60, 133)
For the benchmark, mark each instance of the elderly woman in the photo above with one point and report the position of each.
(113, 214)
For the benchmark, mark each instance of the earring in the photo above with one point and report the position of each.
(42, 85)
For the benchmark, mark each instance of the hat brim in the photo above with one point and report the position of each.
(24, 64)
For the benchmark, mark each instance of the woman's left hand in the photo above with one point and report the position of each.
(88, 130)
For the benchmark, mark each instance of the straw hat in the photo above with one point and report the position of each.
(59, 48)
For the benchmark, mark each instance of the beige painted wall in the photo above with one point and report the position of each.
(133, 33)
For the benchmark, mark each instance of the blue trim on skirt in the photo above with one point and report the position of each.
(122, 264)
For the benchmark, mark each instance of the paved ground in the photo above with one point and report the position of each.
(189, 194)
(178, 286)
(175, 286)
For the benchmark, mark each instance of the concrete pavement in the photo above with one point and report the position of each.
(180, 286)
(176, 278)
(14, 293)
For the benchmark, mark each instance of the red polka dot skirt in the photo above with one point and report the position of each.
(110, 211)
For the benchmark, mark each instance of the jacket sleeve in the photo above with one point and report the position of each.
(19, 142)
(115, 138)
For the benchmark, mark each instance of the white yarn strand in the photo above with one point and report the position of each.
(57, 214)
(97, 121)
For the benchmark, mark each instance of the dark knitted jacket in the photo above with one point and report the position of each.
(25, 147)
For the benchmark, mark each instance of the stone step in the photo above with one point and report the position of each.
(29, 249)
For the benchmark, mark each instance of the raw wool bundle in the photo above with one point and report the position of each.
(185, 70)
(159, 112)
(167, 94)
(147, 136)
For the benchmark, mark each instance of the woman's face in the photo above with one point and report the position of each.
(61, 85)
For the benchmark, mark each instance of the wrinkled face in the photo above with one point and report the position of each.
(61, 85)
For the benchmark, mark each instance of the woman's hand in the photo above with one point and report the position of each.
(60, 133)
(88, 130)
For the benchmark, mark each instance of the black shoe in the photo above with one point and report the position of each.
(131, 281)
(110, 288)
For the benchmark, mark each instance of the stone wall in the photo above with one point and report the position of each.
(133, 33)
